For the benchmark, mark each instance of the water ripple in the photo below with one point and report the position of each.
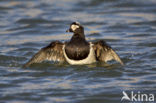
(27, 26)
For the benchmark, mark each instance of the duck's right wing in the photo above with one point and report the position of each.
(105, 53)
(53, 52)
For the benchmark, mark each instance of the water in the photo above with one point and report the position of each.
(129, 26)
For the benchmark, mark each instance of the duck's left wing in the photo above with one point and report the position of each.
(105, 53)
(52, 52)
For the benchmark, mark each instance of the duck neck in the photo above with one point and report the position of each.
(79, 35)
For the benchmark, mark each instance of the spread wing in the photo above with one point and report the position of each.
(105, 53)
(52, 52)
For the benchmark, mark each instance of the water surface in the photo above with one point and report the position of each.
(129, 26)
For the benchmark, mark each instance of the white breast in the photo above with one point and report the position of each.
(90, 58)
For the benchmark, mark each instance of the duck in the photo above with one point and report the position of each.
(76, 51)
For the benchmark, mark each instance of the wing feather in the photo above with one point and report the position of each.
(53, 52)
(105, 53)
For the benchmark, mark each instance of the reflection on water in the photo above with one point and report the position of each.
(26, 26)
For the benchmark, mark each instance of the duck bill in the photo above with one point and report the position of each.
(69, 30)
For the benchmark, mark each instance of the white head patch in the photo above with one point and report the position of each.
(74, 27)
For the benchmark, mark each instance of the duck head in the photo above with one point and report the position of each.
(76, 27)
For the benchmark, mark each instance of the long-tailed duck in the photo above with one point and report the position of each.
(77, 51)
